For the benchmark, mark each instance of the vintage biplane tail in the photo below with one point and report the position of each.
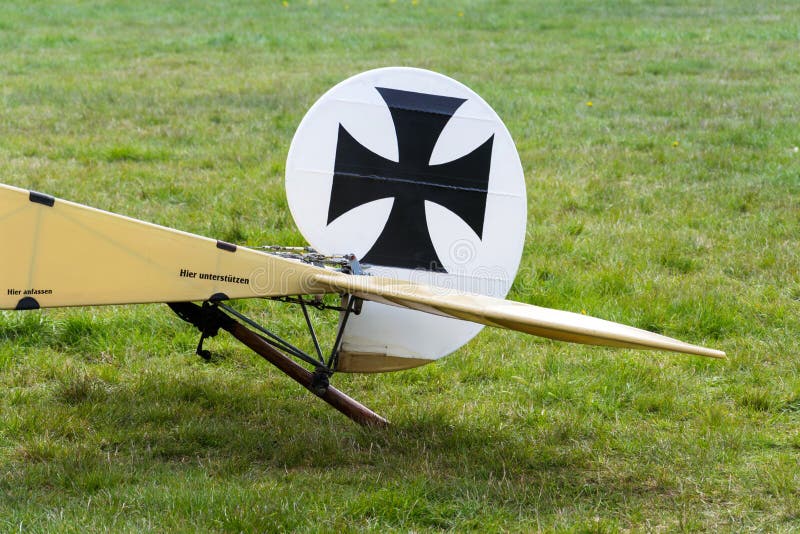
(407, 169)
(60, 253)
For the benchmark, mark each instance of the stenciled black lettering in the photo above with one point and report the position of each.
(229, 278)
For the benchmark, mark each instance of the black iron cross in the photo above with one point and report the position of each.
(361, 176)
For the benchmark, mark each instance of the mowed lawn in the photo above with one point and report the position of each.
(660, 147)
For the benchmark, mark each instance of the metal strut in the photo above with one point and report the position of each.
(311, 330)
(209, 318)
(274, 340)
(349, 307)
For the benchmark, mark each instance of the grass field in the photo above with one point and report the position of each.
(659, 141)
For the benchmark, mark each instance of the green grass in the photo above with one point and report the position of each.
(671, 203)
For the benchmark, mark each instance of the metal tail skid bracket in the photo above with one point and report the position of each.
(213, 316)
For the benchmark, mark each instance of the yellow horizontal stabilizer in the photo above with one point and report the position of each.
(58, 253)
(544, 322)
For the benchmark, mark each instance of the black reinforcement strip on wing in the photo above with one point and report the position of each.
(41, 198)
(224, 245)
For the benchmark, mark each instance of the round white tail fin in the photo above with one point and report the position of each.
(416, 175)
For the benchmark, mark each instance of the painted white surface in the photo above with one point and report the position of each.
(484, 265)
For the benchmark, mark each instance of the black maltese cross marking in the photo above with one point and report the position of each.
(361, 176)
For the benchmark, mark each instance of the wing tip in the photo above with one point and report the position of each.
(712, 353)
